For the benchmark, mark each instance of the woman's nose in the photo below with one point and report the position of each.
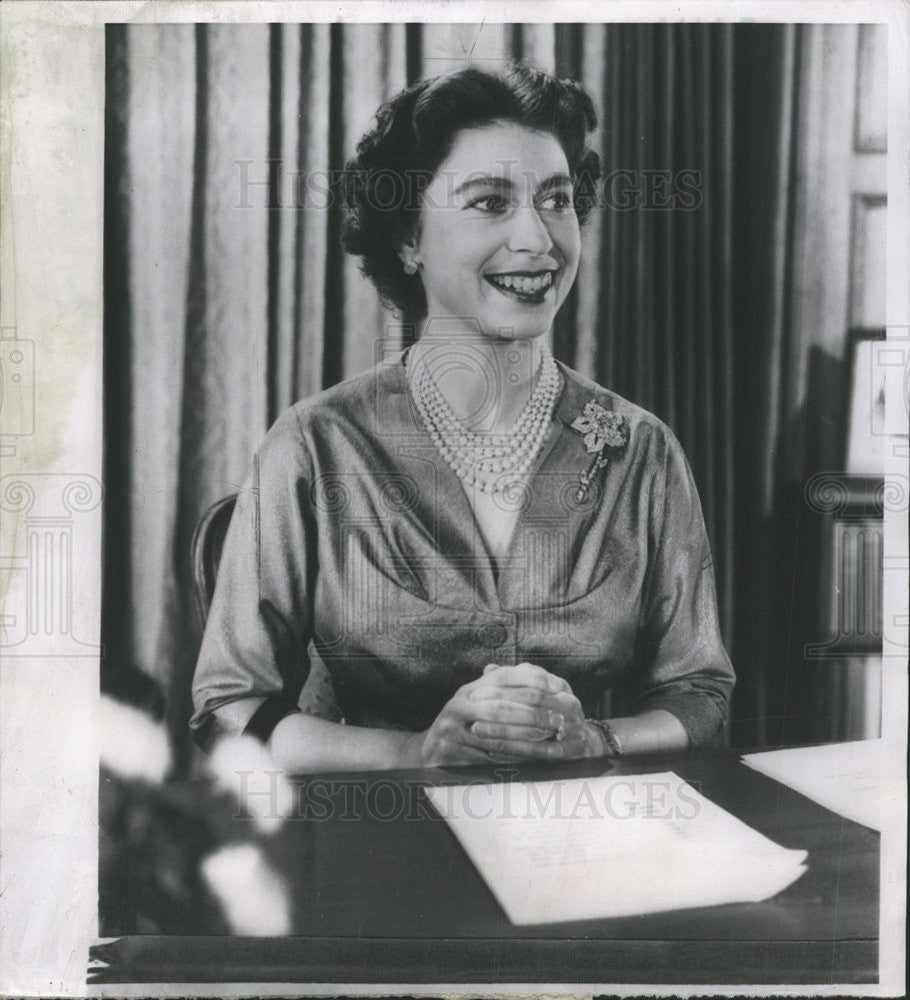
(529, 232)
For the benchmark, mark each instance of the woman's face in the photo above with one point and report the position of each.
(498, 237)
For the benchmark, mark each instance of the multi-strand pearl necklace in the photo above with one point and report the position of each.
(491, 462)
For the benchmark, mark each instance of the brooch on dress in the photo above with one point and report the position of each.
(602, 428)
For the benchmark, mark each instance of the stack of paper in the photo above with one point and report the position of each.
(846, 778)
(610, 847)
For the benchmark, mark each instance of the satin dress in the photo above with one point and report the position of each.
(353, 537)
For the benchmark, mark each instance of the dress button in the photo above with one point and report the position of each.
(492, 635)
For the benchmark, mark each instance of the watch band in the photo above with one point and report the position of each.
(611, 740)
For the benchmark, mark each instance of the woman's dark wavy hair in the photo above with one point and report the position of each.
(414, 132)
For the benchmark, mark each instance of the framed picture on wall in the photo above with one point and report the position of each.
(867, 433)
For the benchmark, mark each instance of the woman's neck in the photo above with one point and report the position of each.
(486, 382)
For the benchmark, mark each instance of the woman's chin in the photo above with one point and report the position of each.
(517, 320)
(518, 333)
(522, 323)
(524, 327)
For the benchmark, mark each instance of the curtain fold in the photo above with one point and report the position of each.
(228, 296)
(663, 325)
(767, 490)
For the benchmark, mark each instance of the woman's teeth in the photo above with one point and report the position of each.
(522, 283)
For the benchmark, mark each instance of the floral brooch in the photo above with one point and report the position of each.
(602, 429)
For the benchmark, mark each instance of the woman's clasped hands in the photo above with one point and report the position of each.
(510, 714)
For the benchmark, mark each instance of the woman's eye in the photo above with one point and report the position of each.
(490, 203)
(556, 201)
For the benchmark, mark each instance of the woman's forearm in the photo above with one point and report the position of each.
(653, 731)
(302, 744)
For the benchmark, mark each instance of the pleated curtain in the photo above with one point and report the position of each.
(228, 297)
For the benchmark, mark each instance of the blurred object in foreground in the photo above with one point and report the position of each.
(253, 895)
(182, 857)
(243, 767)
(132, 744)
(152, 839)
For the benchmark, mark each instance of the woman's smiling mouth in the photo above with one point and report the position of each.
(523, 286)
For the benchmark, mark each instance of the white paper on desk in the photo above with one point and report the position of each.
(610, 846)
(843, 777)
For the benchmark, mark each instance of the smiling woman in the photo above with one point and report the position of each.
(478, 541)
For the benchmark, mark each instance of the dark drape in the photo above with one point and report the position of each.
(664, 328)
(767, 494)
(227, 296)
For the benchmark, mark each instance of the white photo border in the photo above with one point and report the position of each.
(51, 231)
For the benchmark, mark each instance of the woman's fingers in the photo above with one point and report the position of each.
(506, 731)
(522, 749)
(515, 712)
(460, 754)
(450, 741)
(495, 701)
(565, 704)
(570, 741)
(454, 727)
(524, 675)
(509, 715)
(499, 743)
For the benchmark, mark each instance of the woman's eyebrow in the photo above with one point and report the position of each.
(483, 181)
(489, 180)
(557, 180)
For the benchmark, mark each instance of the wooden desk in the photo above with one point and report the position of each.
(397, 901)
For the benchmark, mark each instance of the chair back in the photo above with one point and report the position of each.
(205, 551)
(318, 694)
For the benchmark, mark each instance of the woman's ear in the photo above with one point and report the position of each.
(409, 257)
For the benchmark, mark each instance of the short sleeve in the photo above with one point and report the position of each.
(682, 664)
(253, 661)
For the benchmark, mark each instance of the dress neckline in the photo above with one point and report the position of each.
(463, 511)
